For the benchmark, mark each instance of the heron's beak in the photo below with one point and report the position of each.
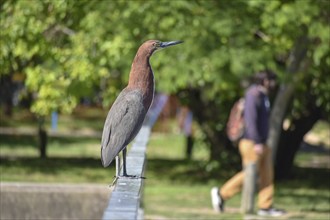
(170, 43)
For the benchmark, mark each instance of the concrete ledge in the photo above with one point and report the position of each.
(126, 199)
(53, 201)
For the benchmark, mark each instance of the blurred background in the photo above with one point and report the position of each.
(63, 63)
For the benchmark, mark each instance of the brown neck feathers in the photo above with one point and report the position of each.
(141, 76)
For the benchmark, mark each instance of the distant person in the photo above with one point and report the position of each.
(185, 119)
(252, 148)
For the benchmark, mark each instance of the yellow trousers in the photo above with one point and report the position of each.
(265, 173)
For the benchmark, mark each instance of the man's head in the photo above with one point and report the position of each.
(266, 79)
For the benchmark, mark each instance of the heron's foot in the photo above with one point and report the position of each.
(114, 181)
(130, 177)
(125, 177)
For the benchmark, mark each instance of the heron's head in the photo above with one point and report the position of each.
(156, 45)
(161, 45)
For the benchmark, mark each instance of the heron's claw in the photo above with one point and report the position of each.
(114, 181)
(131, 177)
(125, 177)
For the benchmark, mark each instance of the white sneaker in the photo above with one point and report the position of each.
(217, 201)
(271, 212)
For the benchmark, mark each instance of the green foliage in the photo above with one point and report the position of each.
(71, 49)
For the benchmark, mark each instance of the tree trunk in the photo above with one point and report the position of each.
(206, 115)
(291, 140)
(285, 94)
(283, 98)
(42, 139)
(6, 94)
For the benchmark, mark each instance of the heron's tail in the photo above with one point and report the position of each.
(107, 156)
(105, 161)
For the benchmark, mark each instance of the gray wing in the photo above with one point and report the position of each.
(123, 122)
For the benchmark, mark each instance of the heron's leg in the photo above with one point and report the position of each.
(117, 166)
(117, 171)
(124, 162)
(125, 175)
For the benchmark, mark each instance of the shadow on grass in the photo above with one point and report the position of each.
(18, 140)
(196, 172)
(55, 169)
(184, 171)
(315, 178)
(52, 164)
(32, 141)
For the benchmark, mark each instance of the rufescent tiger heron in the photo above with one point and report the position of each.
(125, 117)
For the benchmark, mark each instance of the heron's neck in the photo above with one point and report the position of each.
(142, 78)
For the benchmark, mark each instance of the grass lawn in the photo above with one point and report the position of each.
(175, 188)
(69, 160)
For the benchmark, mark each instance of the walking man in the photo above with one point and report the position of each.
(253, 148)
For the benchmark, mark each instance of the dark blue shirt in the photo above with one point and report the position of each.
(256, 114)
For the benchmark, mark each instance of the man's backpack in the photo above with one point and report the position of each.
(235, 124)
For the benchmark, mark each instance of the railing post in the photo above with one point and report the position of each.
(249, 186)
